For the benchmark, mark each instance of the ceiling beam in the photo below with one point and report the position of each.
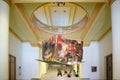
(51, 21)
(48, 15)
(109, 30)
(36, 44)
(74, 16)
(10, 2)
(69, 19)
(93, 19)
(71, 15)
(99, 29)
(44, 10)
(86, 44)
(36, 1)
(27, 20)
(109, 2)
(15, 35)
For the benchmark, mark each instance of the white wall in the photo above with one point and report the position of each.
(90, 58)
(105, 48)
(95, 55)
(25, 57)
(115, 13)
(30, 67)
(15, 49)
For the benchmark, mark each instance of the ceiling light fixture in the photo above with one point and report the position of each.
(60, 3)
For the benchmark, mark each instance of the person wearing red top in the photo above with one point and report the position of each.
(69, 47)
(59, 44)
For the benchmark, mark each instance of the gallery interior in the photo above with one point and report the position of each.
(59, 39)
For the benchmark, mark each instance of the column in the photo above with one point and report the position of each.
(43, 66)
(80, 70)
(4, 31)
(115, 12)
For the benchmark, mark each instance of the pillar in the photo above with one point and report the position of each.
(80, 70)
(4, 31)
(43, 66)
(115, 12)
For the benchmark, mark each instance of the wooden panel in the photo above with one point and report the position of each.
(12, 67)
(109, 71)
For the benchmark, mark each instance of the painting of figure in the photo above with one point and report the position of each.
(63, 50)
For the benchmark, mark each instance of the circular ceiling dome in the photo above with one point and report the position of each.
(60, 17)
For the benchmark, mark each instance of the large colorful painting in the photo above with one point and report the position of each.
(62, 50)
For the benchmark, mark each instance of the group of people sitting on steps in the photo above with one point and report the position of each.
(69, 74)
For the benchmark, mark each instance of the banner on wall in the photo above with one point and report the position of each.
(62, 50)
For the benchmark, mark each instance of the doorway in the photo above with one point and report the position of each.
(109, 70)
(12, 67)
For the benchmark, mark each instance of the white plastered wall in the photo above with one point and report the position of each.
(15, 49)
(25, 58)
(30, 66)
(105, 48)
(90, 58)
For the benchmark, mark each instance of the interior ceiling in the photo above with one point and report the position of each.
(60, 18)
(30, 1)
(24, 27)
(55, 14)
